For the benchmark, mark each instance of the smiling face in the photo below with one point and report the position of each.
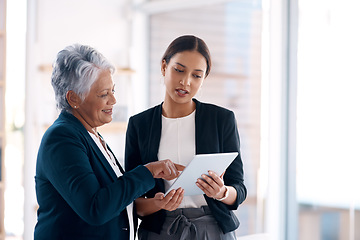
(96, 109)
(183, 77)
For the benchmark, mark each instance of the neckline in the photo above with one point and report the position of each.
(187, 116)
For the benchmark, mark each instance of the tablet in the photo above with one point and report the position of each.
(201, 163)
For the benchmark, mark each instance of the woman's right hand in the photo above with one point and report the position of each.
(171, 201)
(165, 169)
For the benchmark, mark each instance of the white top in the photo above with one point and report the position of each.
(107, 154)
(177, 143)
(112, 161)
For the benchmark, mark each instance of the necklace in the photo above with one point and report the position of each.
(106, 150)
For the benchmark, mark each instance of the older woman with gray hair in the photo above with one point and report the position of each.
(82, 190)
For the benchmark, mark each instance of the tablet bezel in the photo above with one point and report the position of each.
(200, 164)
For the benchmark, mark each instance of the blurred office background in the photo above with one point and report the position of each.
(289, 69)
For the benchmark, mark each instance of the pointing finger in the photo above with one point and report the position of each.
(179, 167)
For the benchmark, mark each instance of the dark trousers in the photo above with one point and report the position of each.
(188, 224)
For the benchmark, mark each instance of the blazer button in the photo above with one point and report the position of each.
(125, 229)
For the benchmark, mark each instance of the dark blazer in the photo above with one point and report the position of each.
(78, 193)
(215, 132)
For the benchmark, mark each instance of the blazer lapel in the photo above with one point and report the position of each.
(155, 134)
(154, 140)
(99, 155)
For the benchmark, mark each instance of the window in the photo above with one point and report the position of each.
(328, 120)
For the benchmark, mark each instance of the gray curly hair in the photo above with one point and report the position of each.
(76, 68)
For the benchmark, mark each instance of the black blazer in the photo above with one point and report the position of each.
(215, 132)
(78, 193)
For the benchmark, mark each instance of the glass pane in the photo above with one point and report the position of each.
(2, 111)
(2, 13)
(233, 33)
(328, 120)
(2, 58)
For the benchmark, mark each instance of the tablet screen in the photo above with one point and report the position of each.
(201, 164)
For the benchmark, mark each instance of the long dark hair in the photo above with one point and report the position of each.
(188, 43)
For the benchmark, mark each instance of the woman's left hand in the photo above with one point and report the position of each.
(212, 185)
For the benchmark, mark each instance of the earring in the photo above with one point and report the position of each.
(75, 106)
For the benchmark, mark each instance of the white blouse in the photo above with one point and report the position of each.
(177, 143)
(107, 154)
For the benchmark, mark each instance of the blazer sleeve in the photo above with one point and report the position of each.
(234, 175)
(217, 132)
(64, 156)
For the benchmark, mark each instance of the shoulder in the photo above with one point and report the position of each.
(146, 114)
(209, 109)
(66, 126)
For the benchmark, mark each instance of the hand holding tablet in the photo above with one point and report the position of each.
(201, 164)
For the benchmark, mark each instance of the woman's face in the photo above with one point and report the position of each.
(183, 76)
(96, 109)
